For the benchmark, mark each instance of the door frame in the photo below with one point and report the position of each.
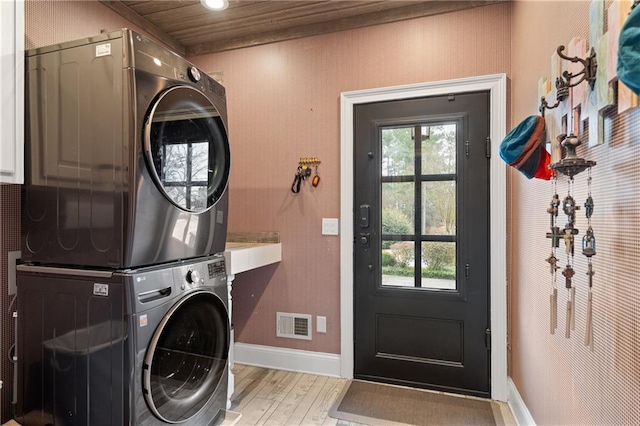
(496, 85)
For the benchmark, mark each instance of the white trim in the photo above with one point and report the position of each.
(496, 84)
(287, 359)
(518, 408)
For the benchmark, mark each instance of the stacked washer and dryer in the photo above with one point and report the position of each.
(122, 299)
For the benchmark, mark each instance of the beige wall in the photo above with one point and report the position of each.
(283, 103)
(49, 22)
(560, 380)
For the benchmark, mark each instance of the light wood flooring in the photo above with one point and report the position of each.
(273, 397)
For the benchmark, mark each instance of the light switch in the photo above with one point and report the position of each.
(321, 324)
(330, 226)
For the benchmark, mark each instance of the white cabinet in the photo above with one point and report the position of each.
(12, 91)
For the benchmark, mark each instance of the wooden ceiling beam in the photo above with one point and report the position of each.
(129, 14)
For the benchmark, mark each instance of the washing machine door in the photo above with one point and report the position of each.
(187, 358)
(187, 148)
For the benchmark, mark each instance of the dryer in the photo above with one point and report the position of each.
(142, 347)
(126, 155)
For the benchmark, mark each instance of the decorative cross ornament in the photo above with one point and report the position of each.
(570, 166)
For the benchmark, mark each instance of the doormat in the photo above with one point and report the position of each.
(387, 405)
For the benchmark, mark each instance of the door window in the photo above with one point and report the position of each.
(187, 358)
(187, 146)
(419, 192)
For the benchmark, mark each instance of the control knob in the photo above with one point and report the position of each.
(194, 74)
(193, 277)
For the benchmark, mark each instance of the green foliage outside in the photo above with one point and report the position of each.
(444, 273)
(439, 255)
(394, 223)
(407, 271)
(388, 259)
(403, 252)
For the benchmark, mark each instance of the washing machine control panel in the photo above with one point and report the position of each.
(201, 274)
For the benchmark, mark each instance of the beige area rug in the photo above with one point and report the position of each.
(386, 405)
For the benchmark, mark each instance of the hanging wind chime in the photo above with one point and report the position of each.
(570, 166)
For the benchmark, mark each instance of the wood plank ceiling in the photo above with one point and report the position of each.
(190, 29)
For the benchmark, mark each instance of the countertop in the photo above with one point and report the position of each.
(244, 256)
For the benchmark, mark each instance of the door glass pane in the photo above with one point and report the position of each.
(174, 159)
(398, 208)
(398, 152)
(438, 149)
(199, 162)
(438, 208)
(179, 195)
(398, 261)
(408, 216)
(439, 265)
(198, 198)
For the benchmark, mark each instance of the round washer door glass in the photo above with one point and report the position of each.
(187, 146)
(187, 358)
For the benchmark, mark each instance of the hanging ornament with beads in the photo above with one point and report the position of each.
(589, 250)
(569, 232)
(552, 259)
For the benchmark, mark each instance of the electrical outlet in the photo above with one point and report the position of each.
(321, 324)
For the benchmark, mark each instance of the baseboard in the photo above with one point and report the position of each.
(518, 408)
(320, 363)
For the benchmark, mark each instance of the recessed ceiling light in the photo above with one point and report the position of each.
(215, 4)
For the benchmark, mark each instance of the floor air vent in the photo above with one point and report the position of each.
(293, 326)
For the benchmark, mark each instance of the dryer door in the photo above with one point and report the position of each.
(187, 148)
(187, 357)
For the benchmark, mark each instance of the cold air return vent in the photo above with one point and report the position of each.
(293, 326)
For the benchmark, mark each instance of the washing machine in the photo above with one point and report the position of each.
(141, 347)
(126, 155)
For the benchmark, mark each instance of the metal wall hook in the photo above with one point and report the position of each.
(564, 83)
(562, 91)
(588, 72)
(309, 161)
